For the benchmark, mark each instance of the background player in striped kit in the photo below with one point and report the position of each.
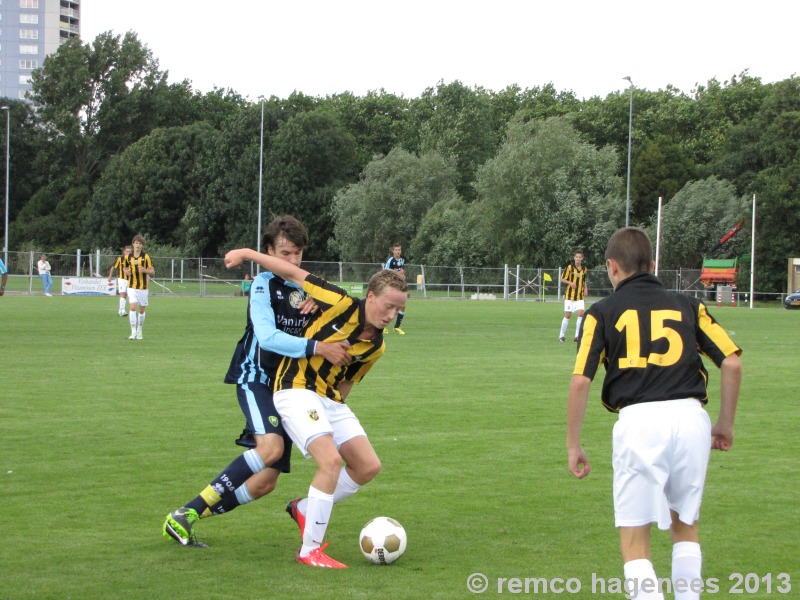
(122, 281)
(650, 341)
(574, 276)
(138, 268)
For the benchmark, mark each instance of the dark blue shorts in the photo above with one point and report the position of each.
(255, 400)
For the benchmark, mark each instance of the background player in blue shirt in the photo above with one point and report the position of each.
(276, 314)
(3, 277)
(396, 262)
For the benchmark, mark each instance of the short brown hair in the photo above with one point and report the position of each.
(286, 226)
(138, 238)
(386, 278)
(631, 248)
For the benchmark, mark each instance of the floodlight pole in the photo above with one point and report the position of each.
(260, 176)
(8, 155)
(630, 135)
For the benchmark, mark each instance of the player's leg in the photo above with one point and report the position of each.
(562, 334)
(400, 316)
(640, 459)
(305, 420)
(687, 560)
(684, 491)
(122, 285)
(578, 322)
(143, 297)
(228, 489)
(641, 582)
(133, 312)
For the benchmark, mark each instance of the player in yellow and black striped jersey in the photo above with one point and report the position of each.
(576, 289)
(122, 281)
(650, 342)
(138, 268)
(310, 392)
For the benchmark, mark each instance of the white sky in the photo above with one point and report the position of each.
(323, 47)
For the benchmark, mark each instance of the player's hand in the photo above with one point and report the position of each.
(721, 439)
(335, 353)
(234, 258)
(579, 463)
(308, 306)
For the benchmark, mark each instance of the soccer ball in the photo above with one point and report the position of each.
(383, 540)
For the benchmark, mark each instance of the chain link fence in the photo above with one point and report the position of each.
(209, 277)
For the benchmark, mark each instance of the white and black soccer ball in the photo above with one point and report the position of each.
(383, 540)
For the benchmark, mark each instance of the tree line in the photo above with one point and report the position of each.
(108, 147)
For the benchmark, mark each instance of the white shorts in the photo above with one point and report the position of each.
(306, 415)
(660, 457)
(122, 285)
(572, 306)
(138, 297)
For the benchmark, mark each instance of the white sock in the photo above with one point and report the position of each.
(687, 560)
(345, 487)
(141, 321)
(132, 319)
(641, 582)
(564, 323)
(122, 305)
(578, 326)
(318, 513)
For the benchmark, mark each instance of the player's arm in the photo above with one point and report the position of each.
(3, 280)
(280, 267)
(731, 378)
(344, 388)
(112, 269)
(576, 409)
(272, 339)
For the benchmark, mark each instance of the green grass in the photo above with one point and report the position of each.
(102, 436)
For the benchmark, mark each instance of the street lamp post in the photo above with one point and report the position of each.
(8, 155)
(260, 173)
(630, 134)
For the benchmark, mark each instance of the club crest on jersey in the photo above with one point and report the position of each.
(274, 420)
(296, 299)
(312, 414)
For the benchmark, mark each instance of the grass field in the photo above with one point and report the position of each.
(100, 437)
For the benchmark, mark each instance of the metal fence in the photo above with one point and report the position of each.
(209, 277)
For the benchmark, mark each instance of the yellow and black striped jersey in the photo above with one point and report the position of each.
(578, 277)
(341, 318)
(650, 341)
(118, 264)
(138, 280)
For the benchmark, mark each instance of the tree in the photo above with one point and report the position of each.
(696, 219)
(310, 158)
(388, 203)
(662, 169)
(96, 100)
(148, 188)
(456, 123)
(536, 195)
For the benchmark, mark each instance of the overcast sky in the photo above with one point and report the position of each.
(322, 47)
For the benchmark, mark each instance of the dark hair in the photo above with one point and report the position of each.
(631, 248)
(386, 278)
(286, 226)
(138, 238)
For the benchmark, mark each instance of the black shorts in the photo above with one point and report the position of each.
(255, 400)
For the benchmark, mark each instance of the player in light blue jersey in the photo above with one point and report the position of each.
(396, 262)
(3, 277)
(276, 315)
